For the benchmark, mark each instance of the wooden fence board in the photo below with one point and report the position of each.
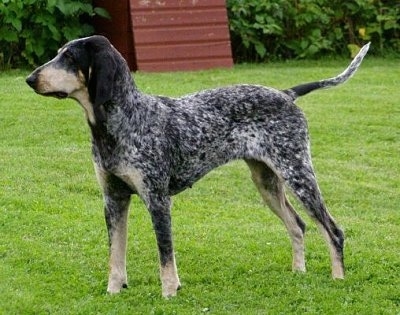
(179, 34)
(167, 35)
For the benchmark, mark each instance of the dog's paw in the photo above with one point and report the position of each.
(299, 267)
(114, 289)
(170, 290)
(338, 274)
(116, 284)
(170, 280)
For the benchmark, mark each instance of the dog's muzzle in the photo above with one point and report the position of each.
(32, 80)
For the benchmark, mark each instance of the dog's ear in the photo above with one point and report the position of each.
(101, 77)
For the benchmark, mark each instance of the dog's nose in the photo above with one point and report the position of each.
(31, 80)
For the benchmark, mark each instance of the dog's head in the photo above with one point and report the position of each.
(84, 69)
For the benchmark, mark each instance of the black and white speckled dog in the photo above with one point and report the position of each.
(158, 146)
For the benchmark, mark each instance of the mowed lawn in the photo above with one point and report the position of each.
(233, 254)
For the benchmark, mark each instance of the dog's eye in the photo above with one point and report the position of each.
(68, 54)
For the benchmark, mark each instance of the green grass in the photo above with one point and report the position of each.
(233, 255)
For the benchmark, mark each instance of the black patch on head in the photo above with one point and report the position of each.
(70, 60)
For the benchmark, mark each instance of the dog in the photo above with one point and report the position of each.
(157, 146)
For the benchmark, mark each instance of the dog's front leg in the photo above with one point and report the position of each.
(117, 196)
(159, 208)
(116, 215)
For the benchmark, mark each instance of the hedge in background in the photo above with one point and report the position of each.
(31, 31)
(282, 29)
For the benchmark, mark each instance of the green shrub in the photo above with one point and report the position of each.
(31, 31)
(281, 29)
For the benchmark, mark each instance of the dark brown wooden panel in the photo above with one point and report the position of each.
(185, 65)
(118, 29)
(180, 34)
(183, 51)
(174, 4)
(181, 17)
(193, 34)
(167, 35)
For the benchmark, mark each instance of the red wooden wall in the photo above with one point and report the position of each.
(168, 35)
(118, 29)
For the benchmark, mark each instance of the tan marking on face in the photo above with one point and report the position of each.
(82, 96)
(51, 80)
(80, 93)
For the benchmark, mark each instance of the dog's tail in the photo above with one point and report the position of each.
(303, 89)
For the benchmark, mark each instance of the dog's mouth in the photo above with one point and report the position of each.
(57, 94)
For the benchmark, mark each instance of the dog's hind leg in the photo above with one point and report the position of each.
(159, 208)
(300, 177)
(272, 191)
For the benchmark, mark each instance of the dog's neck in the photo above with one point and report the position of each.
(123, 87)
(107, 121)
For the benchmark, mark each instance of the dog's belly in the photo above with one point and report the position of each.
(189, 171)
(180, 182)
